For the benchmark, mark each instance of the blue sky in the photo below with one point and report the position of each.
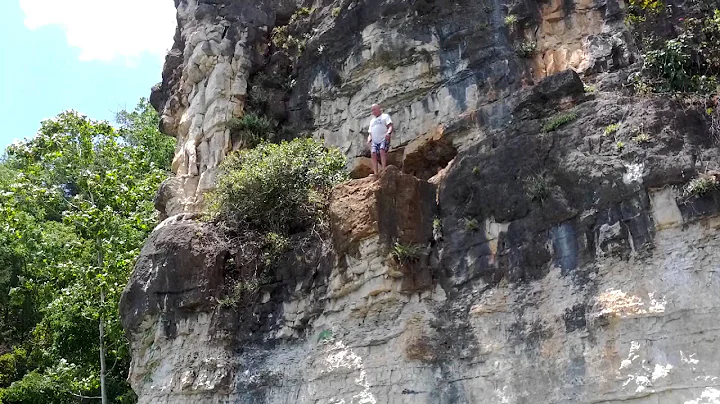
(93, 56)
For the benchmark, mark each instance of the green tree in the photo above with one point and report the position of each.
(76, 204)
(140, 129)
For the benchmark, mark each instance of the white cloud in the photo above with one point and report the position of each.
(107, 29)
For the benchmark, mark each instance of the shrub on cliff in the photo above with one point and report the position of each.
(681, 46)
(282, 188)
(251, 128)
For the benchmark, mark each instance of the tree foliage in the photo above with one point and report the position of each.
(75, 208)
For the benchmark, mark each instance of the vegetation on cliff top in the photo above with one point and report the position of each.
(75, 208)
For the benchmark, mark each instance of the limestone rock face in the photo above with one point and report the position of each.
(515, 252)
(427, 63)
(204, 86)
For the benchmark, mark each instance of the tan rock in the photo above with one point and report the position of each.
(360, 167)
(394, 205)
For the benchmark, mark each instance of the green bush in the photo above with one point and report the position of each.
(405, 253)
(252, 128)
(688, 60)
(558, 121)
(35, 388)
(611, 129)
(279, 37)
(283, 39)
(526, 49)
(281, 188)
(702, 185)
(301, 13)
(471, 224)
(641, 138)
(538, 187)
(325, 336)
(12, 366)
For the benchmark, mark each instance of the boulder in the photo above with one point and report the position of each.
(180, 269)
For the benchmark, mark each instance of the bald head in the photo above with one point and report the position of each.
(376, 109)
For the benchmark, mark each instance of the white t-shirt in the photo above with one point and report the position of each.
(378, 127)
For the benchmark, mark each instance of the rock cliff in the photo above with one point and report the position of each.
(552, 255)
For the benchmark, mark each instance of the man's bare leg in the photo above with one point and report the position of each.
(383, 159)
(374, 163)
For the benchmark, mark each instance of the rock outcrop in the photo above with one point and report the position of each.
(534, 243)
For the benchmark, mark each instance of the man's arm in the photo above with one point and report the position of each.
(390, 128)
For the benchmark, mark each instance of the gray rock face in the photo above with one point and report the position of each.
(426, 62)
(166, 282)
(554, 260)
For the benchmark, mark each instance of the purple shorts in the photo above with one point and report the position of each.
(376, 147)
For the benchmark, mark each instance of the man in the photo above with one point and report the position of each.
(381, 127)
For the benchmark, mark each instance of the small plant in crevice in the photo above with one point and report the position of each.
(538, 187)
(714, 125)
(405, 253)
(325, 336)
(590, 89)
(301, 13)
(437, 228)
(471, 224)
(620, 145)
(336, 12)
(240, 289)
(510, 19)
(611, 129)
(526, 48)
(558, 121)
(251, 128)
(702, 185)
(641, 138)
(476, 170)
(281, 38)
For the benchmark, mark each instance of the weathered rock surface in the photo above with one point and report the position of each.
(427, 63)
(541, 264)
